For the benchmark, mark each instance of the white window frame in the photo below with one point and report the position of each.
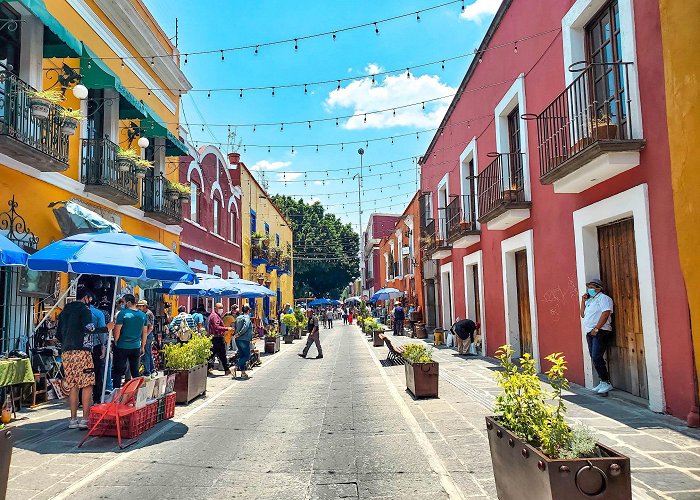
(469, 154)
(514, 96)
(443, 185)
(216, 207)
(635, 203)
(232, 227)
(399, 251)
(522, 241)
(574, 40)
(194, 205)
(476, 259)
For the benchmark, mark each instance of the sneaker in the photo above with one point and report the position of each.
(595, 389)
(83, 423)
(245, 376)
(320, 356)
(301, 355)
(73, 423)
(605, 387)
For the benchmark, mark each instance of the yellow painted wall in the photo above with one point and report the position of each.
(681, 37)
(265, 212)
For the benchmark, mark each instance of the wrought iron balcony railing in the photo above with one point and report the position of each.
(102, 176)
(461, 217)
(593, 109)
(155, 202)
(501, 185)
(36, 142)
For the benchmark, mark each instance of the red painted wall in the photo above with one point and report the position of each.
(541, 60)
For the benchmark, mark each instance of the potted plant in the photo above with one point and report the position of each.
(421, 371)
(189, 364)
(69, 120)
(603, 127)
(302, 321)
(255, 238)
(534, 451)
(290, 321)
(126, 159)
(272, 341)
(40, 102)
(465, 225)
(510, 194)
(183, 191)
(265, 240)
(7, 440)
(141, 167)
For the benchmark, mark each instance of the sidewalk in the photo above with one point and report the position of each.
(664, 452)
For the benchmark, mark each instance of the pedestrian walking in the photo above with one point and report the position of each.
(314, 335)
(147, 358)
(130, 333)
(99, 348)
(324, 318)
(75, 332)
(345, 316)
(176, 328)
(243, 336)
(398, 316)
(198, 317)
(217, 330)
(596, 312)
(329, 318)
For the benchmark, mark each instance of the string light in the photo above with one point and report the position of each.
(122, 63)
(222, 55)
(256, 50)
(376, 29)
(515, 49)
(296, 44)
(185, 58)
(305, 89)
(273, 91)
(418, 16)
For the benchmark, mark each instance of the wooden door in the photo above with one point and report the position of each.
(477, 301)
(430, 306)
(618, 271)
(523, 289)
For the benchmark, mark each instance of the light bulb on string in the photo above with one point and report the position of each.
(185, 58)
(268, 149)
(209, 94)
(122, 63)
(392, 140)
(254, 128)
(418, 16)
(376, 29)
(256, 50)
(305, 90)
(317, 149)
(336, 122)
(309, 124)
(373, 82)
(338, 87)
(222, 55)
(515, 49)
(241, 94)
(153, 61)
(408, 72)
(296, 44)
(443, 65)
(365, 117)
(334, 36)
(282, 127)
(394, 112)
(423, 106)
(462, 5)
(273, 91)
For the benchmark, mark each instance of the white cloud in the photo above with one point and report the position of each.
(392, 91)
(480, 9)
(288, 176)
(269, 165)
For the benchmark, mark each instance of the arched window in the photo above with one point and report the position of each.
(232, 227)
(217, 219)
(194, 202)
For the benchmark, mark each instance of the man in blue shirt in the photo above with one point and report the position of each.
(130, 334)
(243, 336)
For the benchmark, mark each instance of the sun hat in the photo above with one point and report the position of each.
(142, 302)
(596, 282)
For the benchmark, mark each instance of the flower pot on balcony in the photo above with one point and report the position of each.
(172, 194)
(523, 472)
(604, 132)
(422, 379)
(7, 440)
(465, 225)
(40, 107)
(183, 197)
(140, 172)
(124, 164)
(509, 195)
(69, 125)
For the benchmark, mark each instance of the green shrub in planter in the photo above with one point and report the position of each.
(188, 355)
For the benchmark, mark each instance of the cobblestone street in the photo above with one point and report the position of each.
(340, 427)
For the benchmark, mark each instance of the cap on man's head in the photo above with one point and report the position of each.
(142, 302)
(596, 282)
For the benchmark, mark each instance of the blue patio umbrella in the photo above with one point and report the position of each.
(386, 294)
(11, 254)
(249, 289)
(112, 254)
(207, 285)
(320, 303)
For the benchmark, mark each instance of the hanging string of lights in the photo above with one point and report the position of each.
(295, 40)
(272, 89)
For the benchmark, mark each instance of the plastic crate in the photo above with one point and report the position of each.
(170, 399)
(132, 425)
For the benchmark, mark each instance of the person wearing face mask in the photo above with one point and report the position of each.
(217, 329)
(596, 311)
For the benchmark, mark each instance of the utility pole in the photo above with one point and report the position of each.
(361, 252)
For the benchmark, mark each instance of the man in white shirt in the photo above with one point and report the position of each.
(596, 311)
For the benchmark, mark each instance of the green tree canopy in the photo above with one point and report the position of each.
(325, 249)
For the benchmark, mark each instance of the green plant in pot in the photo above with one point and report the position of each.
(69, 120)
(41, 101)
(536, 454)
(126, 159)
(256, 237)
(141, 167)
(272, 340)
(189, 363)
(177, 190)
(422, 372)
(290, 321)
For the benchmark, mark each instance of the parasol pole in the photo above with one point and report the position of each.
(109, 341)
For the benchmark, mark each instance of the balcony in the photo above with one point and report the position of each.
(274, 263)
(461, 222)
(501, 192)
(584, 141)
(434, 239)
(259, 253)
(34, 142)
(155, 203)
(101, 175)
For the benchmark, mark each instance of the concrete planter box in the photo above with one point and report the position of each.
(190, 383)
(422, 379)
(289, 339)
(523, 472)
(378, 341)
(7, 441)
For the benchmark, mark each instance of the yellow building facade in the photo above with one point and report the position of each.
(101, 47)
(271, 262)
(680, 36)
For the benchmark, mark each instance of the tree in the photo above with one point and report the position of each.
(325, 249)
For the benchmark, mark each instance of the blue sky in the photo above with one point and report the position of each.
(325, 175)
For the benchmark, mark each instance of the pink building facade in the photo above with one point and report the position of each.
(550, 168)
(378, 227)
(211, 226)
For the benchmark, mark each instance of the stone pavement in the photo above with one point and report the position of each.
(340, 427)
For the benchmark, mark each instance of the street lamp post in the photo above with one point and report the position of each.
(361, 152)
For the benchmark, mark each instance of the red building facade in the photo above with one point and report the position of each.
(211, 226)
(378, 227)
(551, 167)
